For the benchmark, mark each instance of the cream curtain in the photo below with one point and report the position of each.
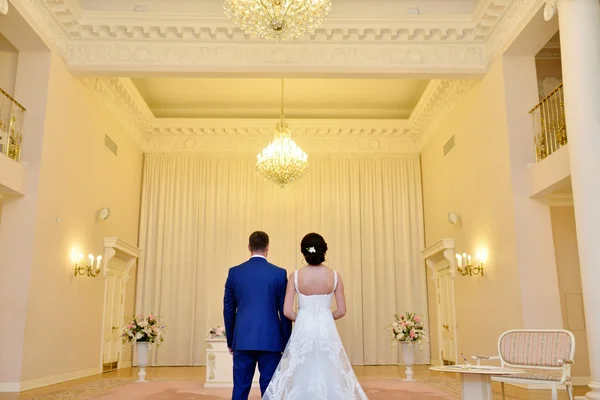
(197, 213)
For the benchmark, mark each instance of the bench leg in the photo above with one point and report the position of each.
(570, 391)
(502, 386)
(554, 392)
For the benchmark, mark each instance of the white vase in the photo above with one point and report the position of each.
(143, 359)
(408, 355)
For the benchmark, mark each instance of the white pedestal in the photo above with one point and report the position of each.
(219, 365)
(476, 381)
(476, 387)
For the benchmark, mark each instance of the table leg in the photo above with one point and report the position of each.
(476, 387)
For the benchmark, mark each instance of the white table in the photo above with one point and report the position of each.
(476, 380)
(219, 365)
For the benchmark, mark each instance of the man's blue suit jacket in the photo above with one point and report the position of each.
(253, 307)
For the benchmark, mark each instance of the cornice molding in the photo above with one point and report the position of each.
(252, 144)
(212, 134)
(101, 42)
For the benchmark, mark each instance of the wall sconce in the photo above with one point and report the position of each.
(90, 270)
(466, 267)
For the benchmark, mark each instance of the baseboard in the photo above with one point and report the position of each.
(53, 380)
(10, 387)
(125, 364)
(581, 380)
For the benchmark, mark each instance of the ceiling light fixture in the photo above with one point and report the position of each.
(277, 19)
(282, 161)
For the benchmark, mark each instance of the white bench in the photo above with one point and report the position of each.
(546, 356)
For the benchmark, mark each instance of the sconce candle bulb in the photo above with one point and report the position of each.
(89, 270)
(469, 268)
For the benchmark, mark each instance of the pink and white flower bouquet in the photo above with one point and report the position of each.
(144, 328)
(217, 332)
(407, 328)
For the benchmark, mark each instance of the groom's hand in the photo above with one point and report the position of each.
(230, 351)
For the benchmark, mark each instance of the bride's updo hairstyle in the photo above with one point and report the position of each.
(313, 247)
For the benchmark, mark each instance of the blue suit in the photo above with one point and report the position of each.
(256, 328)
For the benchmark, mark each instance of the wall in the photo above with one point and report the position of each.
(569, 280)
(8, 65)
(474, 180)
(79, 176)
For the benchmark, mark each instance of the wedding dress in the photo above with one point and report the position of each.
(314, 365)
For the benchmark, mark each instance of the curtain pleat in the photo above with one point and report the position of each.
(197, 213)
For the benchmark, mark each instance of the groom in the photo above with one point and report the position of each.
(257, 331)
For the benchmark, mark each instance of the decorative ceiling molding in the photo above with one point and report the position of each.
(113, 26)
(233, 143)
(443, 105)
(134, 42)
(100, 42)
(212, 134)
(190, 57)
(516, 16)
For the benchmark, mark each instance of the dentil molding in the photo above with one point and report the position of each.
(130, 42)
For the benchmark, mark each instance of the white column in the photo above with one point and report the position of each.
(579, 22)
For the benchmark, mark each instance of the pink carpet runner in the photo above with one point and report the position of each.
(376, 389)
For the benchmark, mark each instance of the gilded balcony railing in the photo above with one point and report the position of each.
(12, 115)
(549, 124)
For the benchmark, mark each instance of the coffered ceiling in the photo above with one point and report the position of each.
(261, 98)
(378, 75)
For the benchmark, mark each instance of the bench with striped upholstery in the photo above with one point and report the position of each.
(545, 356)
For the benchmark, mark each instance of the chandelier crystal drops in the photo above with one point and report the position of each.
(277, 19)
(282, 161)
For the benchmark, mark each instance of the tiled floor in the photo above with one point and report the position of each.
(82, 388)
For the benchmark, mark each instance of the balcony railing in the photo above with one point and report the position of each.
(12, 115)
(549, 125)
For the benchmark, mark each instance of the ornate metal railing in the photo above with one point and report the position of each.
(12, 115)
(549, 124)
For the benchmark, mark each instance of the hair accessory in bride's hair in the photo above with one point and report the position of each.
(311, 250)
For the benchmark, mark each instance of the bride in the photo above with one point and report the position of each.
(314, 365)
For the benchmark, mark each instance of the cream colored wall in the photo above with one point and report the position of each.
(569, 280)
(79, 176)
(474, 180)
(8, 70)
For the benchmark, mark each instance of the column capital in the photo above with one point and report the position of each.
(550, 9)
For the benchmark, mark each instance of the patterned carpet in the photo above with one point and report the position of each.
(435, 388)
(376, 389)
(86, 390)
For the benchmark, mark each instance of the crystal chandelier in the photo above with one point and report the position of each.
(277, 19)
(282, 161)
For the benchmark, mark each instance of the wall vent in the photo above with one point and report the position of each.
(110, 144)
(449, 145)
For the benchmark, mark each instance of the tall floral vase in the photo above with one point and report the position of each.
(408, 355)
(143, 359)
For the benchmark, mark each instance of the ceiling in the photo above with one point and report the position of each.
(350, 8)
(261, 98)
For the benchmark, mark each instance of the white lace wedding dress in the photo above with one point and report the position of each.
(314, 365)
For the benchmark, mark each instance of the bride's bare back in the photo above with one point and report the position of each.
(315, 281)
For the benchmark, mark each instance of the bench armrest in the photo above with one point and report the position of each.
(479, 358)
(563, 362)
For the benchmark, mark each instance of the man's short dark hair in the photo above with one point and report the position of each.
(258, 241)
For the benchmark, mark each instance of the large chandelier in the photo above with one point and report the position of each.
(282, 161)
(277, 19)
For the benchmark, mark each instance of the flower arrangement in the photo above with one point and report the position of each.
(143, 328)
(217, 332)
(407, 328)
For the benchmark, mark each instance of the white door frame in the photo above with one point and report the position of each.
(127, 254)
(439, 256)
